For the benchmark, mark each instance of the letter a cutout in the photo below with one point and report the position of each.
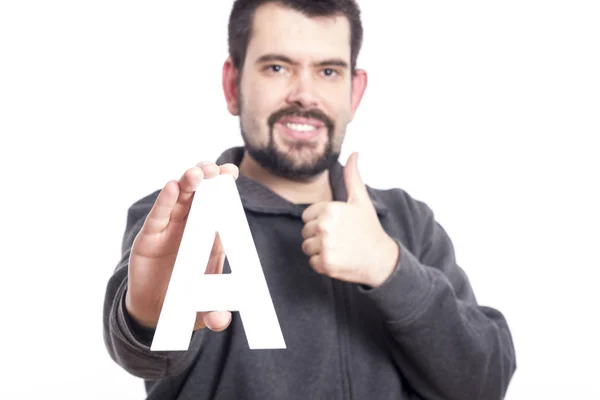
(217, 207)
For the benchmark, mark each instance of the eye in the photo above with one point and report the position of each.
(329, 72)
(274, 68)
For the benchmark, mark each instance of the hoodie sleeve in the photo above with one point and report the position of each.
(446, 344)
(128, 343)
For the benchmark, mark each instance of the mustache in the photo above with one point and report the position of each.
(302, 113)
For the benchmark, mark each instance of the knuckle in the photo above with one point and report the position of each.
(308, 228)
(325, 259)
(209, 168)
(328, 241)
(308, 234)
(190, 172)
(328, 209)
(332, 211)
(333, 273)
(322, 226)
(190, 175)
(325, 241)
(304, 246)
(330, 263)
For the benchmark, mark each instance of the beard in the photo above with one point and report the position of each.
(280, 163)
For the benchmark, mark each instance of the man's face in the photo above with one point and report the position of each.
(296, 93)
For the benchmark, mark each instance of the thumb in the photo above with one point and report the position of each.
(357, 191)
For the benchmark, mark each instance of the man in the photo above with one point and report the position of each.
(365, 285)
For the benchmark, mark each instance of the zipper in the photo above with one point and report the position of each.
(341, 302)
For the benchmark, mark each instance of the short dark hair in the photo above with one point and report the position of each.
(242, 16)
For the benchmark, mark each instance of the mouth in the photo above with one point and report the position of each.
(300, 128)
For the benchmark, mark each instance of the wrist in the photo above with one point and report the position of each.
(136, 314)
(388, 261)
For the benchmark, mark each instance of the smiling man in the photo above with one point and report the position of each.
(296, 92)
(365, 284)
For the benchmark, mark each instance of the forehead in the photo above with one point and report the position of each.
(277, 29)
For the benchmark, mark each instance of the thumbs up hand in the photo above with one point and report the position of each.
(345, 240)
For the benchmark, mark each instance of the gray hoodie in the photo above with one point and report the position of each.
(420, 335)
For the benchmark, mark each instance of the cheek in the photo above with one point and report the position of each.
(255, 114)
(261, 102)
(342, 111)
(340, 103)
(342, 118)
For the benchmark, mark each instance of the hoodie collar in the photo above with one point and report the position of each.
(258, 198)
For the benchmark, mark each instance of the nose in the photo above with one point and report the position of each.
(303, 92)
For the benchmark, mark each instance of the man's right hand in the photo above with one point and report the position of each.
(155, 249)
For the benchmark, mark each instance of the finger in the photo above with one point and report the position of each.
(314, 210)
(230, 169)
(200, 323)
(312, 246)
(189, 183)
(187, 186)
(355, 187)
(315, 263)
(216, 321)
(160, 214)
(311, 228)
(216, 258)
(210, 169)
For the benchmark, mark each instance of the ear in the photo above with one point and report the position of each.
(359, 85)
(230, 74)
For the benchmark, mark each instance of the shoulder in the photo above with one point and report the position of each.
(401, 204)
(405, 217)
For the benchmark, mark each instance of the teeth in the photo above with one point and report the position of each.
(301, 127)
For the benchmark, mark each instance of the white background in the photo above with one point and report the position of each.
(488, 111)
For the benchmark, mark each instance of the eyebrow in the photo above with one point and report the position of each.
(281, 58)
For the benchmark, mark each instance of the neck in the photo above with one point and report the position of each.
(307, 191)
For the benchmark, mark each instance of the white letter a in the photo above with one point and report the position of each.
(217, 207)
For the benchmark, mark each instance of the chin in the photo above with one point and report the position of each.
(303, 155)
(304, 166)
(294, 159)
(292, 166)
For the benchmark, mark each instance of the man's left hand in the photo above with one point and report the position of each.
(345, 240)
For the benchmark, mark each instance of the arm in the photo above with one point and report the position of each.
(127, 342)
(447, 346)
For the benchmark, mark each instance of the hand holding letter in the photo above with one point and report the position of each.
(156, 246)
